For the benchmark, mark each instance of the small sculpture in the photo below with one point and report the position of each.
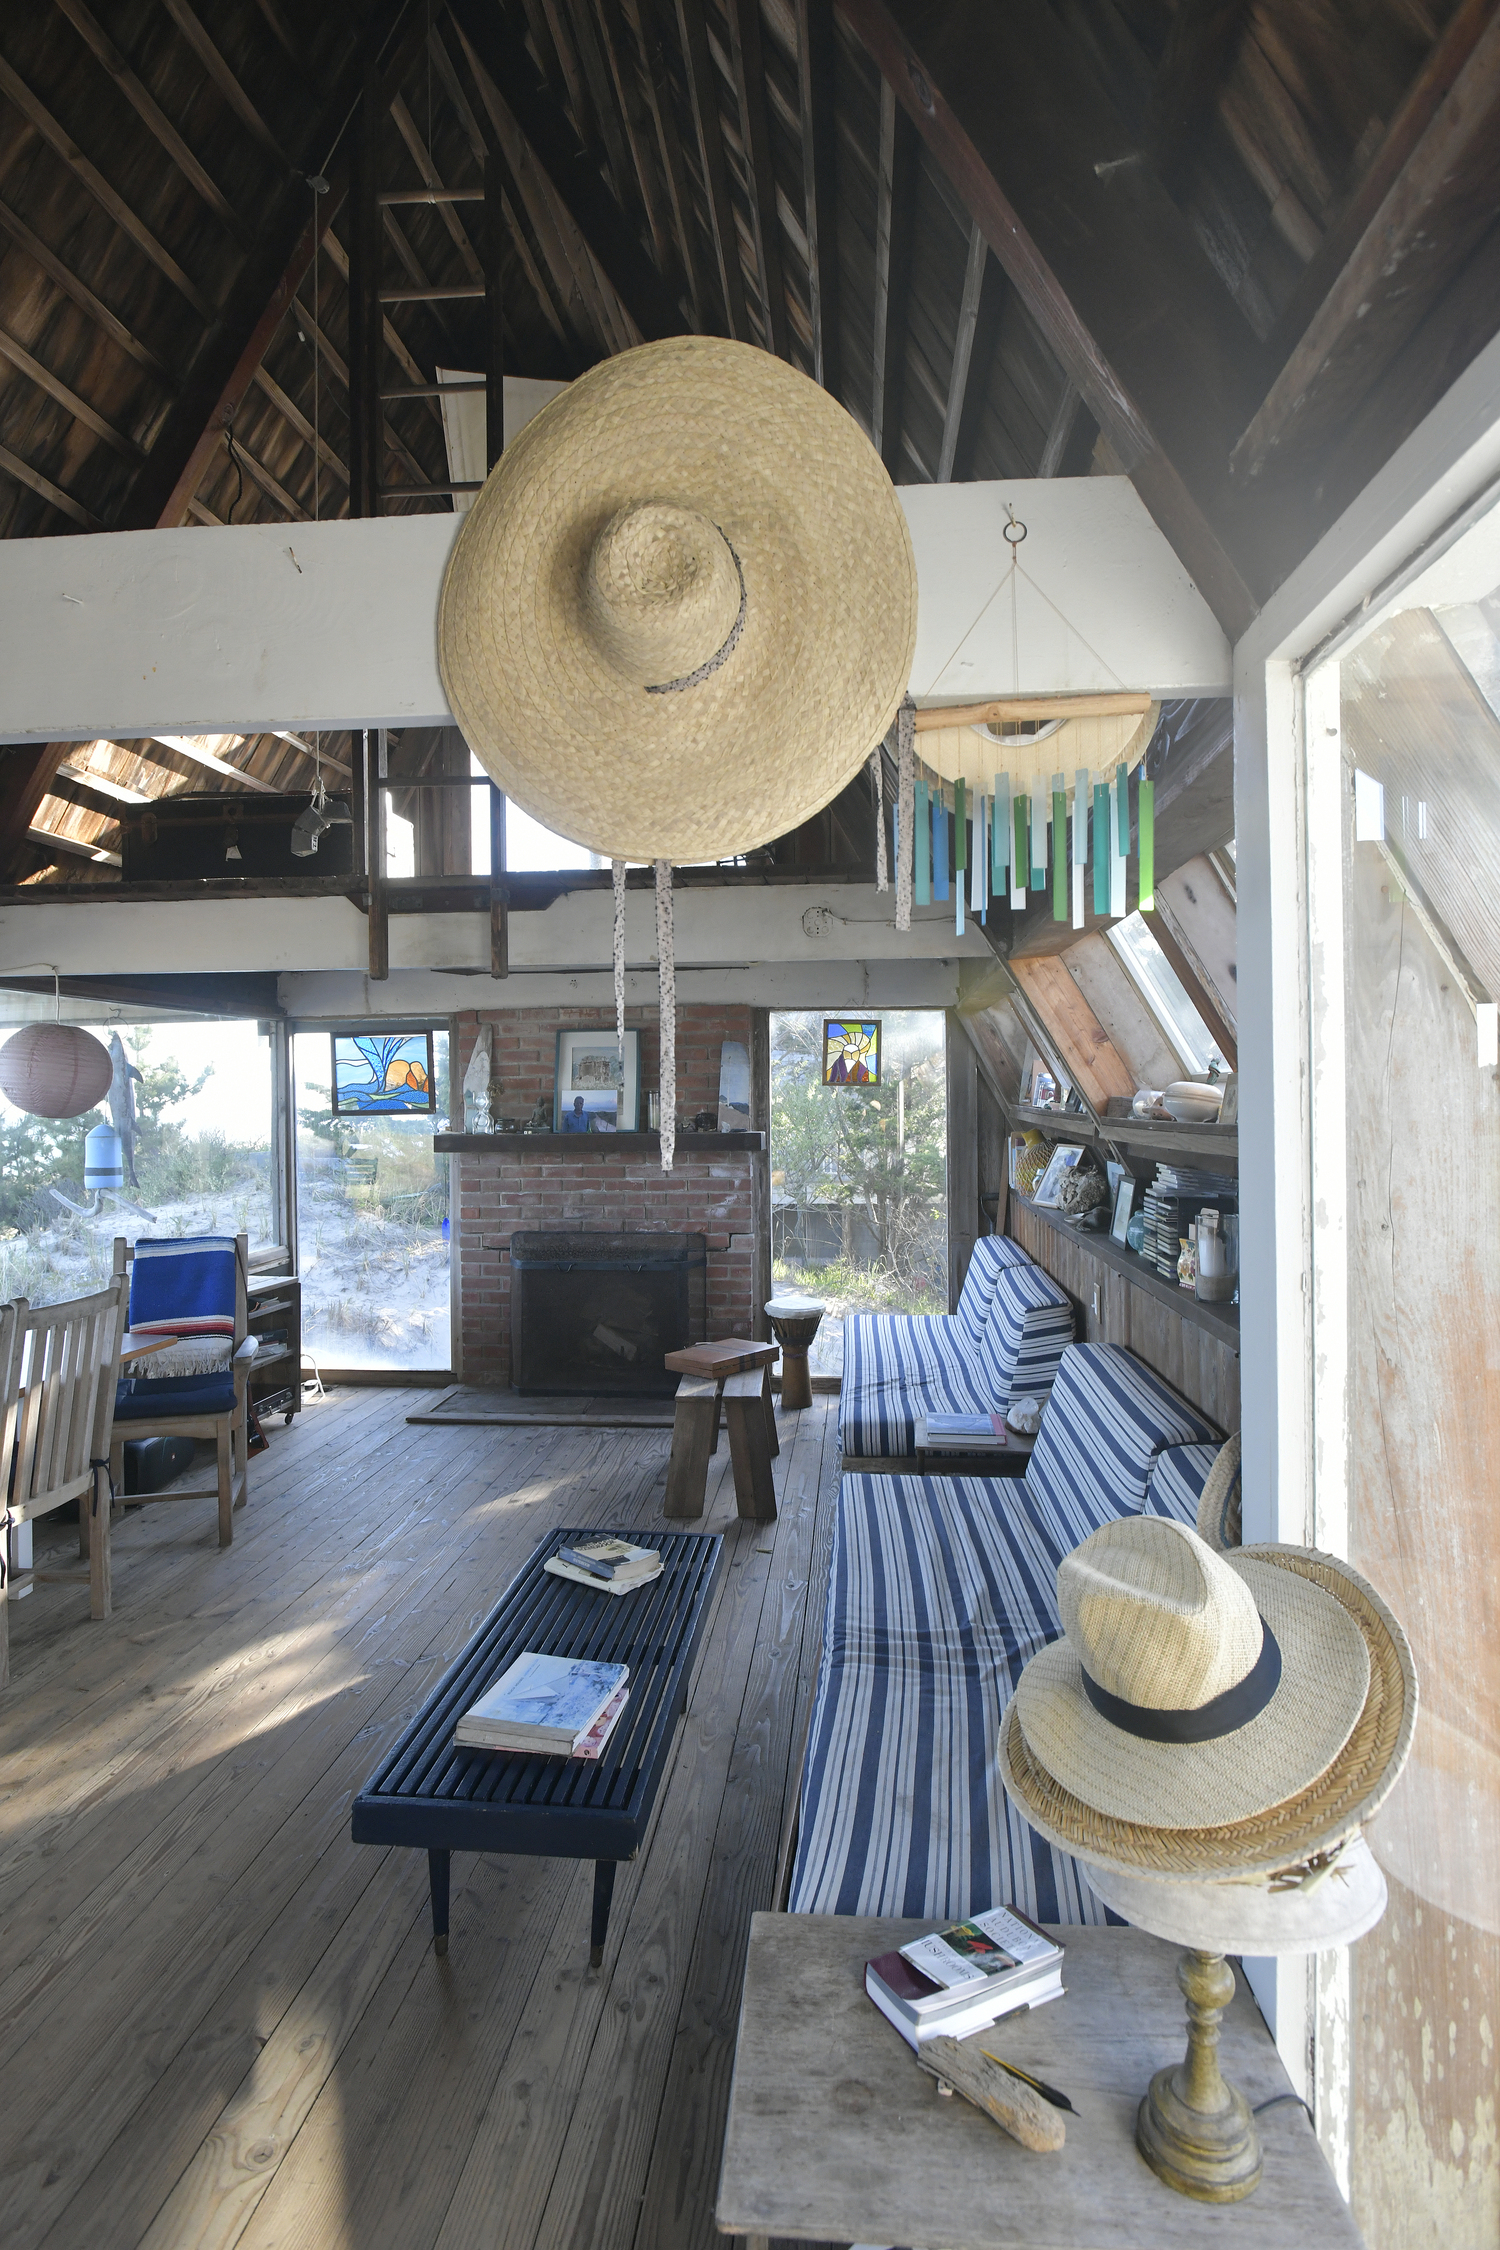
(540, 1120)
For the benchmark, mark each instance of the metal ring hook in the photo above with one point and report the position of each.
(1012, 532)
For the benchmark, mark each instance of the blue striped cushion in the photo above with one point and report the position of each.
(1105, 1423)
(940, 1590)
(1175, 1485)
(1030, 1326)
(991, 1256)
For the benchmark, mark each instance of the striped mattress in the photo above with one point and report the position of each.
(941, 1589)
(897, 1369)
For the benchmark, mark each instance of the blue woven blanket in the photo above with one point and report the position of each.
(184, 1288)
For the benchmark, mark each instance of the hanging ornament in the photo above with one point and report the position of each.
(54, 1069)
(666, 969)
(617, 871)
(877, 780)
(906, 769)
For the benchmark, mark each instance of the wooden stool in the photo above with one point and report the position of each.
(796, 1321)
(749, 1451)
(706, 1371)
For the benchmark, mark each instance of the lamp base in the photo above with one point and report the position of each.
(1194, 2129)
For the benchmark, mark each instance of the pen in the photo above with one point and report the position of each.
(1048, 2093)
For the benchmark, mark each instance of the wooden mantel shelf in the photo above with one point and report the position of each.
(521, 1146)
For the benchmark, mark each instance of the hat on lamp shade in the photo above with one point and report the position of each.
(54, 1070)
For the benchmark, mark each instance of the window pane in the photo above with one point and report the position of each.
(1159, 984)
(372, 1218)
(527, 843)
(859, 1207)
(191, 1103)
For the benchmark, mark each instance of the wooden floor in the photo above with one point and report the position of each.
(220, 2021)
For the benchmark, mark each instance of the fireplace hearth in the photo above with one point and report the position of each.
(596, 1313)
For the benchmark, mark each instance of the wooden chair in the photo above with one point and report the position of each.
(213, 1406)
(59, 1366)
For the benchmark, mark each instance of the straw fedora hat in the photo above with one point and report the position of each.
(683, 610)
(1208, 1716)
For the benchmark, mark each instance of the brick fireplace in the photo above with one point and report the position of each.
(707, 1194)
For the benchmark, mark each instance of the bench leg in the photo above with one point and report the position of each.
(437, 1884)
(768, 1401)
(604, 1891)
(694, 1433)
(226, 1483)
(754, 1490)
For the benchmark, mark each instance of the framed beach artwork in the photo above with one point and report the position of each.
(382, 1072)
(851, 1051)
(592, 1079)
(1124, 1205)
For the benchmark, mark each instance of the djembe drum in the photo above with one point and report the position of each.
(794, 1323)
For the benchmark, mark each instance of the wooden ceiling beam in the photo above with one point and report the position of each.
(703, 99)
(974, 345)
(1438, 206)
(68, 399)
(26, 775)
(1070, 437)
(12, 465)
(83, 296)
(291, 412)
(1028, 140)
(749, 67)
(1201, 41)
(226, 81)
(406, 126)
(105, 52)
(604, 96)
(674, 163)
(635, 282)
(895, 218)
(815, 82)
(639, 132)
(16, 90)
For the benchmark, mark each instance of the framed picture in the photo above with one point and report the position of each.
(851, 1051)
(1229, 1109)
(1124, 1205)
(591, 1079)
(1049, 1187)
(382, 1072)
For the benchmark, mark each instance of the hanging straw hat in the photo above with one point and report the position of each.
(1219, 1501)
(1210, 1717)
(683, 610)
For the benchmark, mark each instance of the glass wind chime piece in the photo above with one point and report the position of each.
(1146, 844)
(922, 853)
(1059, 850)
(1080, 841)
(939, 845)
(960, 852)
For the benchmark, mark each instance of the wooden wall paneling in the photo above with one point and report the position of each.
(991, 1153)
(963, 1154)
(1423, 1142)
(1092, 1060)
(760, 1167)
(1111, 1310)
(1201, 911)
(1096, 969)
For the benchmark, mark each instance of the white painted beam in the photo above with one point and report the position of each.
(255, 628)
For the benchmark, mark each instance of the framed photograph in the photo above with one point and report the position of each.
(382, 1072)
(1049, 1187)
(1124, 1205)
(851, 1051)
(591, 1080)
(1229, 1109)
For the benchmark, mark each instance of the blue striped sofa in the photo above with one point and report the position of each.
(1012, 1325)
(940, 1590)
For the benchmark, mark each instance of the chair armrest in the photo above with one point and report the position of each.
(247, 1350)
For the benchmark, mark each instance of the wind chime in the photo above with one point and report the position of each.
(1018, 797)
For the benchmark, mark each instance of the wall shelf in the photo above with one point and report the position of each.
(521, 1147)
(1216, 1147)
(1219, 1321)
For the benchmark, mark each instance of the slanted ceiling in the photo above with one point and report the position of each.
(1175, 240)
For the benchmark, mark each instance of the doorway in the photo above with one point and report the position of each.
(372, 1219)
(859, 1190)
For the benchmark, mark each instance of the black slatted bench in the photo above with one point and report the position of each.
(440, 1799)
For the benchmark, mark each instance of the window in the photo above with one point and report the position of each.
(1158, 983)
(528, 845)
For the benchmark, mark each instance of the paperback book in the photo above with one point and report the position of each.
(545, 1703)
(609, 1565)
(591, 1744)
(957, 1980)
(965, 1433)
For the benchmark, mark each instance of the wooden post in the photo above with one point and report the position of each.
(760, 1171)
(366, 415)
(380, 927)
(492, 250)
(499, 893)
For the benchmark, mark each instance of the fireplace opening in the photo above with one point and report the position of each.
(597, 1313)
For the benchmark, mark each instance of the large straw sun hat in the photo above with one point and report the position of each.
(682, 612)
(1208, 1716)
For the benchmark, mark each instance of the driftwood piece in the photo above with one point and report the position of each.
(1016, 2107)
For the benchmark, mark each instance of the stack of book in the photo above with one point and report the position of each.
(609, 1565)
(963, 1433)
(1175, 1197)
(559, 1706)
(958, 1980)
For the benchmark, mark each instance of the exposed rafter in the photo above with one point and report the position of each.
(755, 132)
(815, 67)
(895, 213)
(83, 296)
(703, 94)
(973, 349)
(674, 163)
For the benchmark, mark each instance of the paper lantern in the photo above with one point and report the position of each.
(54, 1070)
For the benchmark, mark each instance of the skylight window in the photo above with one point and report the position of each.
(1161, 988)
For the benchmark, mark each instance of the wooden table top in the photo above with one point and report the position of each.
(727, 1355)
(836, 2134)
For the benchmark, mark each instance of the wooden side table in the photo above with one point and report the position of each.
(716, 1378)
(836, 2134)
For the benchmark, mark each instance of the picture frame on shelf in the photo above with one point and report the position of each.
(1229, 1108)
(1065, 1157)
(595, 1090)
(1119, 1225)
